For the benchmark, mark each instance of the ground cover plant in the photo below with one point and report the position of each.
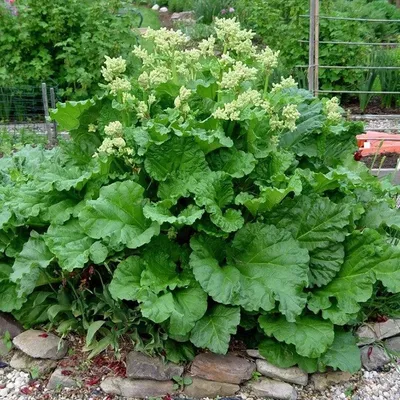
(193, 204)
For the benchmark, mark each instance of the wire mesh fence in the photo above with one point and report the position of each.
(25, 108)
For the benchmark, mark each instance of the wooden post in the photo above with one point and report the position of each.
(311, 43)
(316, 48)
(53, 105)
(46, 114)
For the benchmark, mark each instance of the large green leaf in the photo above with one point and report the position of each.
(344, 354)
(117, 216)
(69, 244)
(325, 263)
(125, 284)
(34, 256)
(68, 114)
(235, 163)
(9, 298)
(260, 259)
(215, 193)
(177, 155)
(214, 330)
(368, 258)
(310, 335)
(313, 221)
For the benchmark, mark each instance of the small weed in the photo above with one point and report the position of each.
(181, 382)
(255, 376)
(7, 340)
(34, 372)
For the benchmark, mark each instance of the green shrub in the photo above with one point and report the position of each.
(62, 42)
(200, 205)
(206, 10)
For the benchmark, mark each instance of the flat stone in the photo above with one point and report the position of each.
(10, 325)
(374, 357)
(59, 379)
(371, 333)
(22, 361)
(182, 16)
(140, 366)
(325, 380)
(393, 344)
(156, 7)
(202, 388)
(136, 388)
(163, 10)
(272, 389)
(255, 354)
(291, 375)
(39, 344)
(222, 368)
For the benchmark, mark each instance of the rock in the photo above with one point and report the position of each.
(39, 344)
(292, 375)
(10, 325)
(183, 16)
(393, 344)
(163, 10)
(269, 388)
(140, 366)
(219, 368)
(59, 379)
(156, 7)
(377, 331)
(136, 388)
(255, 354)
(323, 381)
(28, 364)
(373, 357)
(201, 388)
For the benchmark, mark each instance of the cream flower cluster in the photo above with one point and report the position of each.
(332, 110)
(92, 128)
(233, 37)
(119, 85)
(290, 114)
(285, 83)
(180, 101)
(155, 77)
(236, 75)
(114, 143)
(268, 58)
(249, 98)
(113, 68)
(166, 40)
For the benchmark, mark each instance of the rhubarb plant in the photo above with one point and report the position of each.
(206, 201)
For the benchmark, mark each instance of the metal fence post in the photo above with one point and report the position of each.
(316, 48)
(47, 114)
(53, 105)
(311, 42)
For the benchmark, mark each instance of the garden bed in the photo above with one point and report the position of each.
(384, 160)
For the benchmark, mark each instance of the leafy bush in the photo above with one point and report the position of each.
(280, 26)
(202, 205)
(64, 42)
(206, 10)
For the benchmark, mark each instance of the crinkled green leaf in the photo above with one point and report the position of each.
(344, 353)
(160, 212)
(215, 192)
(68, 114)
(69, 244)
(269, 196)
(117, 216)
(325, 263)
(214, 330)
(9, 298)
(368, 258)
(260, 259)
(210, 140)
(310, 335)
(235, 163)
(125, 284)
(6, 238)
(313, 221)
(177, 155)
(98, 252)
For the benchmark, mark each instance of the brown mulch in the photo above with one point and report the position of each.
(389, 162)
